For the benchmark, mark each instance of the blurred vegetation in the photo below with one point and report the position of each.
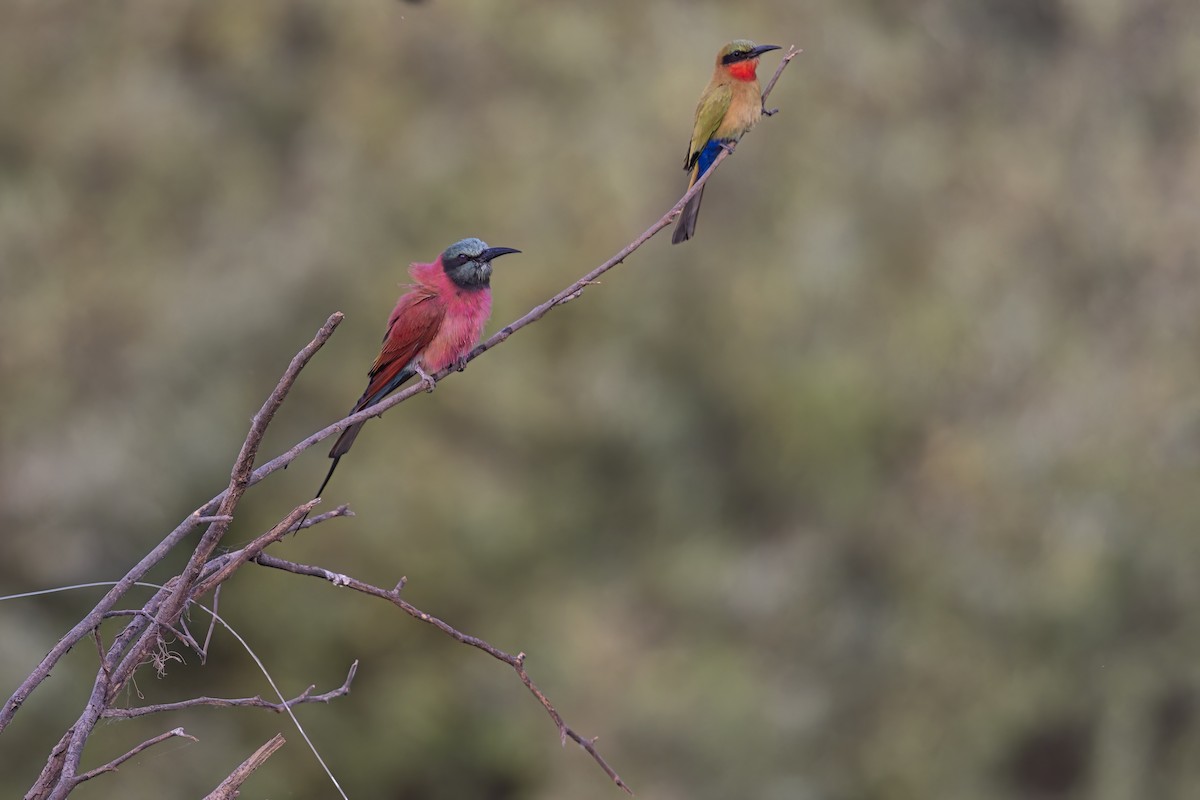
(885, 487)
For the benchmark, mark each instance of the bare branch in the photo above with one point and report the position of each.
(125, 655)
(230, 788)
(792, 52)
(116, 762)
(122, 587)
(238, 702)
(93, 618)
(239, 481)
(517, 662)
(240, 557)
(99, 646)
(340, 511)
(212, 625)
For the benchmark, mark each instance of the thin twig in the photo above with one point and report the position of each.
(238, 558)
(792, 52)
(286, 709)
(517, 662)
(230, 787)
(118, 761)
(99, 646)
(238, 702)
(340, 511)
(212, 625)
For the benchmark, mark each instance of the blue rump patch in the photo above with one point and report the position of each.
(708, 155)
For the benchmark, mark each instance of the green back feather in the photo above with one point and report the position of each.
(713, 106)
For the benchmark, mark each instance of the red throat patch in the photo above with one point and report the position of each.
(744, 70)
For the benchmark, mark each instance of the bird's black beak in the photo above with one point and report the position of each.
(495, 252)
(764, 48)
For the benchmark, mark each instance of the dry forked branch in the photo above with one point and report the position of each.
(200, 516)
(517, 662)
(239, 557)
(54, 781)
(119, 760)
(142, 639)
(257, 701)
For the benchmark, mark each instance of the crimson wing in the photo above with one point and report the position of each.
(411, 327)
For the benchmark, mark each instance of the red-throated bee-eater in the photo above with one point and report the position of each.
(728, 108)
(433, 326)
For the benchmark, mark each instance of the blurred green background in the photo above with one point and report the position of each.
(884, 487)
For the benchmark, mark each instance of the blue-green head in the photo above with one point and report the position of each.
(468, 262)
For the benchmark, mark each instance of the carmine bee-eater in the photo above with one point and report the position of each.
(433, 326)
(728, 108)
